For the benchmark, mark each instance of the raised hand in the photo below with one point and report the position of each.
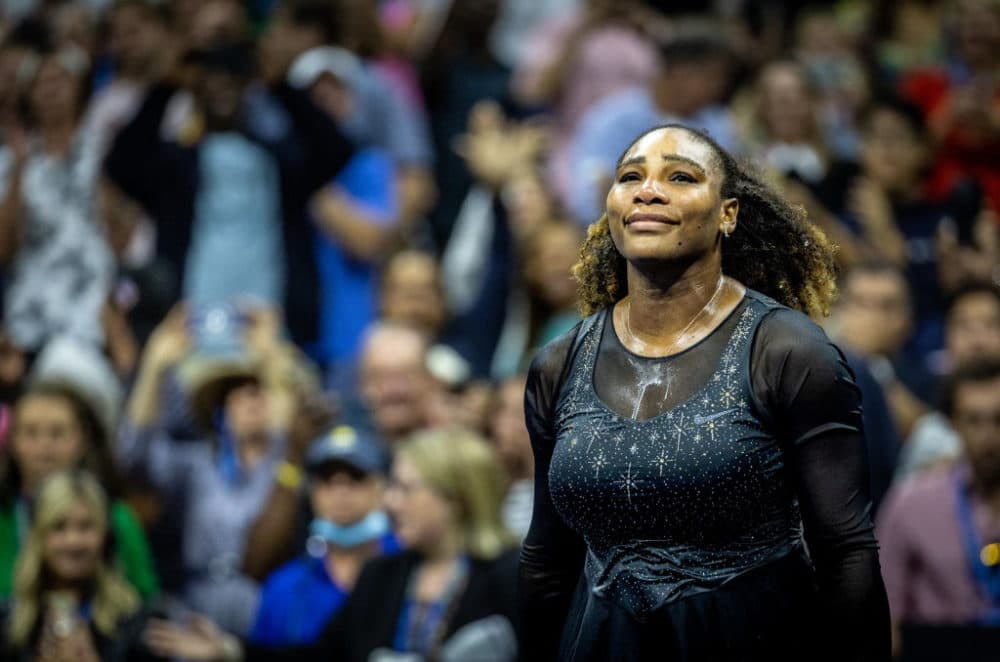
(199, 640)
(170, 342)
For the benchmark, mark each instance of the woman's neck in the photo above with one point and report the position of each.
(344, 564)
(662, 302)
(436, 572)
(445, 550)
(71, 588)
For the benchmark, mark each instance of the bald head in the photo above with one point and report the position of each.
(394, 378)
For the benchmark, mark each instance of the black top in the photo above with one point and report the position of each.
(679, 475)
(125, 646)
(369, 618)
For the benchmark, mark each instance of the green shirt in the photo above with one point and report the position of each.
(131, 549)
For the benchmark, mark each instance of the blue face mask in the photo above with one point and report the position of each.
(373, 526)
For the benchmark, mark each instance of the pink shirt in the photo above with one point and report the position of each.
(924, 562)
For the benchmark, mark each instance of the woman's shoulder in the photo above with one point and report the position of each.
(550, 365)
(552, 356)
(783, 325)
(386, 568)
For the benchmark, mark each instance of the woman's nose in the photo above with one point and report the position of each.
(650, 192)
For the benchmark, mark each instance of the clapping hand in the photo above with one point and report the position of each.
(958, 263)
(494, 148)
(199, 639)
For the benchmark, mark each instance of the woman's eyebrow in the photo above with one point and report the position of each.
(683, 159)
(666, 157)
(632, 161)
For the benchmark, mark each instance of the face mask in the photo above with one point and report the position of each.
(322, 533)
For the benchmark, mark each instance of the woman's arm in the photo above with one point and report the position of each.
(808, 390)
(142, 444)
(552, 555)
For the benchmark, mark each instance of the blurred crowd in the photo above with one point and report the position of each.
(273, 272)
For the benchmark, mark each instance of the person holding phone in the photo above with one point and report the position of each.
(69, 600)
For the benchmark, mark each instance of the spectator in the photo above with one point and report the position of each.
(972, 333)
(70, 603)
(449, 597)
(564, 68)
(689, 89)
(826, 44)
(458, 399)
(480, 262)
(139, 42)
(896, 219)
(218, 22)
(50, 229)
(875, 320)
(549, 255)
(346, 483)
(458, 71)
(260, 161)
(959, 97)
(356, 217)
(782, 127)
(312, 36)
(412, 292)
(19, 55)
(935, 529)
(510, 434)
(241, 382)
(66, 420)
(972, 323)
(236, 198)
(395, 383)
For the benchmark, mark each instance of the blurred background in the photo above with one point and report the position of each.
(235, 232)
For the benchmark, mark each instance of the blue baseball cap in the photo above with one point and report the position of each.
(349, 446)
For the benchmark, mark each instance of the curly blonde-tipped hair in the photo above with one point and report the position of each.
(774, 249)
(113, 599)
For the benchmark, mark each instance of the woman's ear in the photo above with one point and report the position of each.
(728, 217)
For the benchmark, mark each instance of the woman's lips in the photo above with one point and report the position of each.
(645, 218)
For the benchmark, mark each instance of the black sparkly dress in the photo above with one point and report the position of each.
(676, 499)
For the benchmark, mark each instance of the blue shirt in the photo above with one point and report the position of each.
(299, 599)
(610, 126)
(236, 242)
(349, 285)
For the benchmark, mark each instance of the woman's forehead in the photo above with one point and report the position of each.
(672, 141)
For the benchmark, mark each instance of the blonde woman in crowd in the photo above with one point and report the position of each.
(69, 602)
(65, 420)
(448, 597)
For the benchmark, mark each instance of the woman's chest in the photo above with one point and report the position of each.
(699, 472)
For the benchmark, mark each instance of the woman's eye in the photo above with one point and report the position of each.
(681, 177)
(629, 177)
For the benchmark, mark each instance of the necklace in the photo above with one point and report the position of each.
(670, 347)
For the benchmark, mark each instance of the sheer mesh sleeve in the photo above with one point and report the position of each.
(552, 555)
(804, 385)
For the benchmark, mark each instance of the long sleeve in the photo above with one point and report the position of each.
(134, 160)
(809, 392)
(552, 555)
(148, 452)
